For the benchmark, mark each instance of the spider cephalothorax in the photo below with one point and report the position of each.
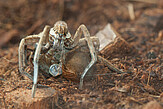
(60, 34)
(60, 27)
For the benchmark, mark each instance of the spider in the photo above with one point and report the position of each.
(51, 45)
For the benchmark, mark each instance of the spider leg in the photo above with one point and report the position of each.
(82, 28)
(94, 39)
(43, 37)
(110, 66)
(29, 40)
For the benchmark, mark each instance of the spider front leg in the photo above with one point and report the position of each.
(43, 38)
(29, 40)
(84, 30)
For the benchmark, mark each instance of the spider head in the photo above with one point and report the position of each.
(61, 28)
(58, 32)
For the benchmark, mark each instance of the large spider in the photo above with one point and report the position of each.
(54, 43)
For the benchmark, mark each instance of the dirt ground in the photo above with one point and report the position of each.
(142, 85)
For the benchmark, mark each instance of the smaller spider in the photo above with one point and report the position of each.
(51, 46)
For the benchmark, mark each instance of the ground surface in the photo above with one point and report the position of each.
(142, 84)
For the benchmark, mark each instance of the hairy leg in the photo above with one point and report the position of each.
(94, 39)
(29, 40)
(43, 36)
(84, 30)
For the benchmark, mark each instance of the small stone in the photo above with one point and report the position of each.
(151, 55)
(152, 105)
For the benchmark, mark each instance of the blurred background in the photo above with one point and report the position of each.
(25, 17)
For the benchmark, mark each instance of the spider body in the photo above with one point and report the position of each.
(51, 46)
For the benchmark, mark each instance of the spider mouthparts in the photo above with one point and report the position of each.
(55, 70)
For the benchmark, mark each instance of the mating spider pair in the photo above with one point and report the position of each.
(51, 45)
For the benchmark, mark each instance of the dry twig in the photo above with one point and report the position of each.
(131, 11)
(145, 1)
